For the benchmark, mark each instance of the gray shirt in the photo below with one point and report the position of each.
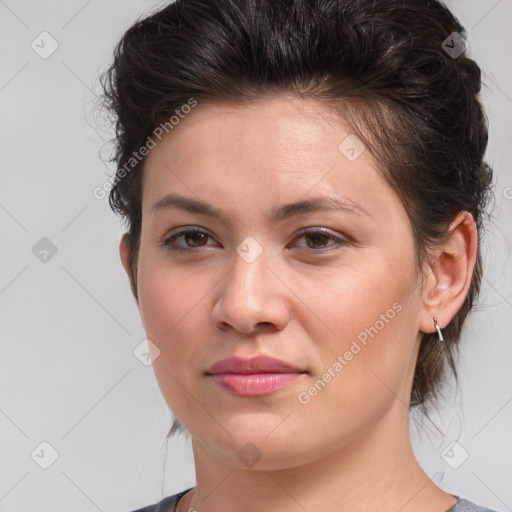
(169, 505)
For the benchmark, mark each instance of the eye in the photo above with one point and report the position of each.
(193, 238)
(317, 239)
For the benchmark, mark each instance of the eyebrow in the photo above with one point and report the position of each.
(277, 214)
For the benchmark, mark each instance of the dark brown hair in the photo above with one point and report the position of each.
(387, 66)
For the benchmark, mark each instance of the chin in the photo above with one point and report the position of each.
(259, 442)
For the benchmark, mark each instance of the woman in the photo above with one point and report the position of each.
(304, 187)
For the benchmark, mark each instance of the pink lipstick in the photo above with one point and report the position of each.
(260, 375)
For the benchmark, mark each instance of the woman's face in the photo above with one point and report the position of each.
(339, 304)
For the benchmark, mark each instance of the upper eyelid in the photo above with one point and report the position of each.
(187, 229)
(301, 232)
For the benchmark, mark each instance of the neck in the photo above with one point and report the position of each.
(376, 471)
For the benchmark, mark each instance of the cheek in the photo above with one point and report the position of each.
(173, 311)
(367, 320)
(169, 301)
(365, 372)
(365, 294)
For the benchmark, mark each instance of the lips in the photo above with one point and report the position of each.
(259, 375)
(258, 364)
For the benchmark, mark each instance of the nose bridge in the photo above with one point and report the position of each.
(249, 277)
(250, 294)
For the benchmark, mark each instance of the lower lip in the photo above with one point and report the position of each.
(254, 383)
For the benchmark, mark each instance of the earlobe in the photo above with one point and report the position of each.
(124, 253)
(450, 274)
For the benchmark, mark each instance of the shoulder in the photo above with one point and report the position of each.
(464, 505)
(168, 504)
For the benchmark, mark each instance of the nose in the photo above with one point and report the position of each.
(252, 298)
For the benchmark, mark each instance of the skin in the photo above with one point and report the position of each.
(349, 447)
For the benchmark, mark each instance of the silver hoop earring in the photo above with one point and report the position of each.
(438, 329)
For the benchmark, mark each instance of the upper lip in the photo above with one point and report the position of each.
(257, 364)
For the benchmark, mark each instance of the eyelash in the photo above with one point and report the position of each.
(166, 242)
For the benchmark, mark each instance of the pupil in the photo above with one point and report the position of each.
(196, 237)
(317, 238)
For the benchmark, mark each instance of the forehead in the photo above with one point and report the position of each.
(218, 128)
(269, 151)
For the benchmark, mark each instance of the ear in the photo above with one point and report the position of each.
(449, 274)
(124, 253)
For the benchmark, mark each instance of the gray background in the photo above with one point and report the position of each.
(68, 374)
